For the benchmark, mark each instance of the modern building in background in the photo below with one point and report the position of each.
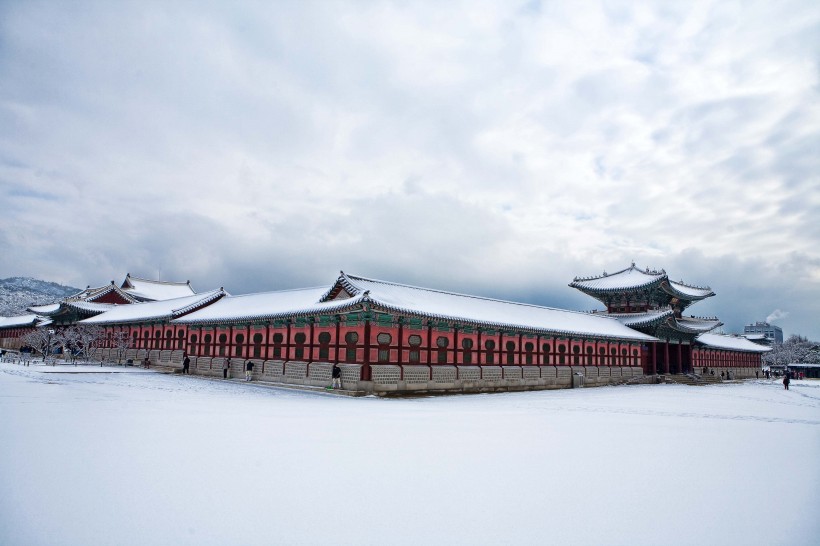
(772, 334)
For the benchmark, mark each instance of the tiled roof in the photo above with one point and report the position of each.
(697, 325)
(732, 343)
(269, 305)
(689, 292)
(629, 278)
(147, 290)
(636, 320)
(20, 320)
(49, 309)
(486, 312)
(154, 310)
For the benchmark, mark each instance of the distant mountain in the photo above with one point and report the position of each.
(17, 293)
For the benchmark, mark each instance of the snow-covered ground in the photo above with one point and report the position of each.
(138, 457)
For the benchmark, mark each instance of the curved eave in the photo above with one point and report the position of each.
(198, 305)
(670, 289)
(37, 309)
(730, 343)
(679, 326)
(509, 326)
(80, 309)
(348, 305)
(596, 291)
(641, 321)
(137, 320)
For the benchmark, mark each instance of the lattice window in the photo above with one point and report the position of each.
(528, 349)
(467, 355)
(351, 338)
(415, 343)
(442, 343)
(489, 353)
(384, 340)
(277, 345)
(324, 346)
(299, 351)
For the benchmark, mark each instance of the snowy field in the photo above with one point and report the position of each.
(142, 458)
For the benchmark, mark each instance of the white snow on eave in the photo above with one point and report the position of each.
(44, 309)
(158, 291)
(721, 341)
(92, 306)
(627, 279)
(139, 312)
(20, 320)
(266, 305)
(691, 290)
(493, 313)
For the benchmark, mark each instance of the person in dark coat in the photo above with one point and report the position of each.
(337, 377)
(786, 380)
(248, 370)
(226, 366)
(186, 364)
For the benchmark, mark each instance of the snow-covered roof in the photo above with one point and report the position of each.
(486, 312)
(148, 290)
(734, 343)
(269, 305)
(44, 309)
(90, 294)
(691, 292)
(634, 278)
(17, 321)
(154, 310)
(644, 318)
(628, 278)
(755, 337)
(696, 324)
(91, 306)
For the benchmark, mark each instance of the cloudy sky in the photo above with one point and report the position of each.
(495, 148)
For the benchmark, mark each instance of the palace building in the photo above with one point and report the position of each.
(390, 337)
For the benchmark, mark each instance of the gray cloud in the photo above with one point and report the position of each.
(483, 148)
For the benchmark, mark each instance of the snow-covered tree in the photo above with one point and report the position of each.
(86, 337)
(44, 341)
(120, 341)
(795, 350)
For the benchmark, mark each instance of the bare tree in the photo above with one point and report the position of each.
(121, 342)
(81, 338)
(43, 340)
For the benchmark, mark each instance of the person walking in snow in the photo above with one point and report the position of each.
(248, 370)
(226, 366)
(186, 364)
(786, 380)
(337, 377)
(146, 363)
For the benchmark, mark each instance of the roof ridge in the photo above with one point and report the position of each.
(691, 285)
(647, 271)
(277, 291)
(129, 276)
(471, 296)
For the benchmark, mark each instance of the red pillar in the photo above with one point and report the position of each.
(680, 358)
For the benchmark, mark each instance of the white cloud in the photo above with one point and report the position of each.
(464, 145)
